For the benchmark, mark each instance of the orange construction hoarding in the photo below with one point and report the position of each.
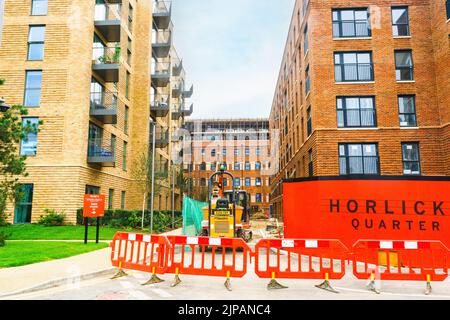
(349, 209)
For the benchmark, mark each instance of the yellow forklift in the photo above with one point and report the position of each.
(227, 212)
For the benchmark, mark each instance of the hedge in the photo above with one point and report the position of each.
(162, 220)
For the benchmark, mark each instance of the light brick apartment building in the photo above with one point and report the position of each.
(97, 73)
(241, 144)
(363, 90)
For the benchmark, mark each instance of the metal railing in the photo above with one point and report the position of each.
(159, 101)
(162, 37)
(106, 55)
(100, 147)
(161, 68)
(104, 100)
(162, 7)
(107, 11)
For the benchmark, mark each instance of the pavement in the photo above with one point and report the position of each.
(68, 271)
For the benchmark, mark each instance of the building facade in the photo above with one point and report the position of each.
(91, 71)
(363, 90)
(241, 144)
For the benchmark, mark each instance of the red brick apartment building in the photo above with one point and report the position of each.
(363, 90)
(242, 144)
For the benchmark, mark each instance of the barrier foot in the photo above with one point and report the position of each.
(228, 282)
(120, 273)
(326, 286)
(428, 289)
(274, 284)
(372, 287)
(177, 281)
(153, 280)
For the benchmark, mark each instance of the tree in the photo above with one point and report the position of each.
(141, 172)
(12, 165)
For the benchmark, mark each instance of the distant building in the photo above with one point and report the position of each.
(241, 144)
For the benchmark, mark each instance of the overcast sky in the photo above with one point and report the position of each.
(231, 52)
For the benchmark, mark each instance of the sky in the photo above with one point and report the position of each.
(232, 51)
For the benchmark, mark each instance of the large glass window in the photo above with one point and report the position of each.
(358, 159)
(353, 66)
(407, 111)
(28, 145)
(309, 122)
(237, 182)
(400, 21)
(247, 166)
(411, 158)
(404, 69)
(124, 158)
(36, 39)
(237, 166)
(307, 81)
(247, 182)
(350, 23)
(39, 7)
(258, 182)
(305, 41)
(33, 83)
(257, 165)
(356, 112)
(258, 198)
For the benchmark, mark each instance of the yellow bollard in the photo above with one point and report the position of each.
(177, 278)
(274, 284)
(228, 282)
(371, 285)
(428, 289)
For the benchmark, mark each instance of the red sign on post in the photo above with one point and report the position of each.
(94, 206)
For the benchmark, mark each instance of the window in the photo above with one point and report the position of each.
(305, 41)
(225, 182)
(247, 182)
(400, 21)
(356, 112)
(28, 145)
(247, 166)
(403, 65)
(310, 163)
(258, 198)
(36, 38)
(358, 159)
(236, 152)
(309, 122)
(129, 50)
(33, 83)
(307, 81)
(38, 7)
(353, 66)
(258, 151)
(351, 23)
(111, 199)
(124, 159)
(91, 190)
(237, 166)
(237, 182)
(130, 18)
(213, 152)
(447, 4)
(407, 111)
(203, 151)
(258, 182)
(122, 200)
(224, 152)
(125, 120)
(247, 151)
(411, 158)
(213, 166)
(203, 182)
(23, 209)
(127, 85)
(257, 165)
(203, 166)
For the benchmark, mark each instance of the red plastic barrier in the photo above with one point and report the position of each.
(140, 252)
(228, 257)
(306, 259)
(400, 260)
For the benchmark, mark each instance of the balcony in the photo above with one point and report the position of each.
(177, 88)
(161, 42)
(188, 93)
(107, 20)
(161, 138)
(188, 112)
(161, 74)
(177, 68)
(102, 152)
(106, 63)
(159, 105)
(162, 169)
(104, 107)
(162, 12)
(176, 112)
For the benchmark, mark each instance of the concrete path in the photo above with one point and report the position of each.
(68, 271)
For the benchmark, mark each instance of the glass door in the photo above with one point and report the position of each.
(22, 212)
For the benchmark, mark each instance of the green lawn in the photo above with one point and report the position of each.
(21, 253)
(38, 232)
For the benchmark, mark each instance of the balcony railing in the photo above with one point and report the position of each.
(177, 88)
(176, 112)
(102, 151)
(107, 20)
(104, 106)
(162, 42)
(177, 68)
(162, 12)
(188, 93)
(106, 62)
(161, 137)
(162, 169)
(161, 74)
(189, 111)
(160, 105)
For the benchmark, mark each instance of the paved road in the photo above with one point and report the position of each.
(249, 287)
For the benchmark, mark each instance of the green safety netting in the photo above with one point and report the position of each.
(192, 216)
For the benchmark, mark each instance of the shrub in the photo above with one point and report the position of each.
(3, 237)
(52, 218)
